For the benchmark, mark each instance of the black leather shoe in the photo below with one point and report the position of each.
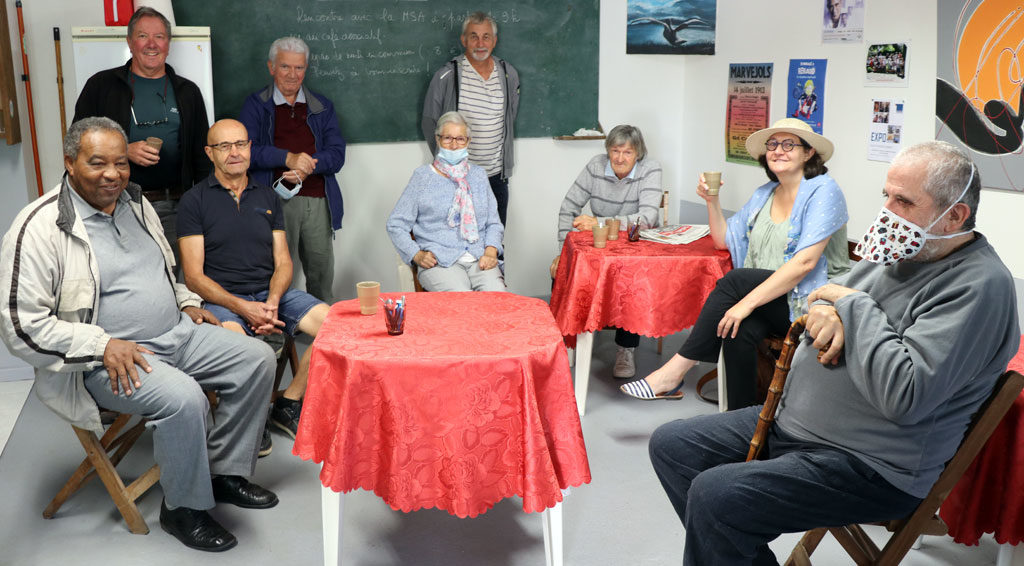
(239, 491)
(266, 444)
(196, 529)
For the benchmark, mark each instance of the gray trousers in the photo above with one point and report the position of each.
(461, 276)
(307, 224)
(188, 359)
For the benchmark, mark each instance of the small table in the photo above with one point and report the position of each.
(643, 287)
(472, 404)
(989, 497)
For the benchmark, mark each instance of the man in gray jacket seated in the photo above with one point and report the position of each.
(915, 336)
(91, 302)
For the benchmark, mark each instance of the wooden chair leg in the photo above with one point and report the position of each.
(661, 342)
(857, 544)
(801, 555)
(98, 462)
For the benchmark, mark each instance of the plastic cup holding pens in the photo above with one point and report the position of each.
(634, 228)
(394, 316)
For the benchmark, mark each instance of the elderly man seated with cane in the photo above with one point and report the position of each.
(914, 338)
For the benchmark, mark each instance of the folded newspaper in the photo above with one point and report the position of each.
(676, 233)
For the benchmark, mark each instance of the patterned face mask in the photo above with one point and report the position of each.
(891, 238)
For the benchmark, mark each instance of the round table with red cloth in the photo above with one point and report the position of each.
(643, 287)
(472, 404)
(989, 498)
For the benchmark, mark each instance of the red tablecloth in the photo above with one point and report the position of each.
(473, 404)
(989, 498)
(644, 287)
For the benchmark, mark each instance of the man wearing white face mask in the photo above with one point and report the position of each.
(914, 336)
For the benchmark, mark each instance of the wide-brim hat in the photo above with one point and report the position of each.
(821, 144)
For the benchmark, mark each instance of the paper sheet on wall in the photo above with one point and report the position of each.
(746, 111)
(886, 137)
(807, 91)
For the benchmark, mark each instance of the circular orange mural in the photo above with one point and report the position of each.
(989, 54)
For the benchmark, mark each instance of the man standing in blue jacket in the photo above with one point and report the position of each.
(297, 148)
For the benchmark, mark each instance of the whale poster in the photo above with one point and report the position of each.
(672, 27)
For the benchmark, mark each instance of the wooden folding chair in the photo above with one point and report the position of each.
(102, 457)
(924, 520)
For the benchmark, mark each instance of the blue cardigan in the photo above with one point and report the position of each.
(818, 211)
(258, 117)
(423, 210)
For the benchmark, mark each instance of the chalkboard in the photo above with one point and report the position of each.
(374, 58)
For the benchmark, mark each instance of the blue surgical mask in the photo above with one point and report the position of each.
(452, 156)
(283, 191)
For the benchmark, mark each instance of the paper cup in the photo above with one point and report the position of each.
(613, 228)
(368, 293)
(600, 236)
(713, 180)
(154, 142)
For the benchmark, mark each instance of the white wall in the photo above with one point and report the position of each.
(755, 32)
(677, 101)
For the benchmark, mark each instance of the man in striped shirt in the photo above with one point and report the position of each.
(485, 90)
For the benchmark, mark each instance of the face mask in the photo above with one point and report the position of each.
(452, 156)
(285, 192)
(891, 238)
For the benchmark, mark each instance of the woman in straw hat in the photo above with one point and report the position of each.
(787, 240)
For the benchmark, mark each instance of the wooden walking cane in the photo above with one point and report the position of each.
(60, 83)
(28, 98)
(767, 416)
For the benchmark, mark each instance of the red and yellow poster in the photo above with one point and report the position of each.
(746, 111)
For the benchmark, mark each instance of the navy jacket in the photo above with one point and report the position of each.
(258, 117)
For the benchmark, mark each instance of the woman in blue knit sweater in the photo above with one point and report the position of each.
(446, 220)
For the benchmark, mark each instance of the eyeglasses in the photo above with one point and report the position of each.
(150, 123)
(460, 140)
(787, 145)
(226, 146)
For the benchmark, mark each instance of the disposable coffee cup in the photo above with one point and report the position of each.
(600, 236)
(613, 228)
(154, 142)
(713, 180)
(368, 293)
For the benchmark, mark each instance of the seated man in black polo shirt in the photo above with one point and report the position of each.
(235, 256)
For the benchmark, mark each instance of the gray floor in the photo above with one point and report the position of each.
(620, 518)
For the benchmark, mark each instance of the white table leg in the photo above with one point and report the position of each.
(723, 396)
(552, 518)
(332, 506)
(572, 356)
(1010, 555)
(584, 348)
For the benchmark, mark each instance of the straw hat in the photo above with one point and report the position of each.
(755, 142)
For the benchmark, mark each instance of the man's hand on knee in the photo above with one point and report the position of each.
(200, 316)
(120, 358)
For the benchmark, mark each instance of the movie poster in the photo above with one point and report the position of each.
(843, 21)
(886, 130)
(674, 27)
(746, 111)
(807, 91)
(978, 89)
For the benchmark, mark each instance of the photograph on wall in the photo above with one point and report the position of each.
(886, 130)
(978, 87)
(746, 110)
(672, 27)
(807, 91)
(843, 21)
(886, 65)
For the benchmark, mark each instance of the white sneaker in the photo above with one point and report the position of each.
(624, 368)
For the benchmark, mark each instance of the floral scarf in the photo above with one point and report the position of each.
(461, 214)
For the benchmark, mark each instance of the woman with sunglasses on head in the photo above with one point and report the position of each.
(787, 240)
(446, 220)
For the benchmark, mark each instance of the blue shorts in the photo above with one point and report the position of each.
(294, 305)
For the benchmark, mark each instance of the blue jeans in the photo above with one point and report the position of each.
(293, 306)
(732, 509)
